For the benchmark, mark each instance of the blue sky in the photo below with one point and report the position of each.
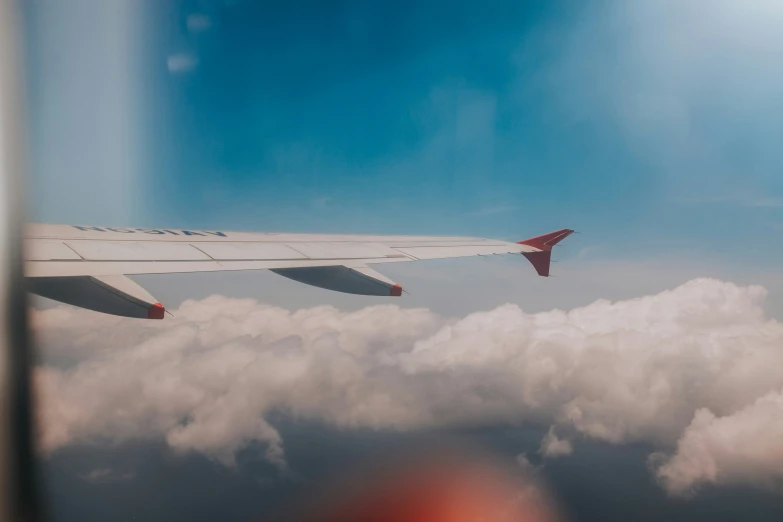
(395, 119)
(505, 120)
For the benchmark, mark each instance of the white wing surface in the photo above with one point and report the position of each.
(77, 264)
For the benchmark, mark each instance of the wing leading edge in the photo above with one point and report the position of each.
(87, 266)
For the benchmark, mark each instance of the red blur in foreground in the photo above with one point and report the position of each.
(438, 490)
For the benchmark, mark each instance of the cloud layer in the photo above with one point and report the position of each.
(745, 446)
(693, 371)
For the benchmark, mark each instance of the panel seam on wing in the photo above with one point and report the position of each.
(69, 247)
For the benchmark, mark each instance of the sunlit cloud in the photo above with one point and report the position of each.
(496, 209)
(107, 475)
(739, 199)
(198, 23)
(690, 371)
(321, 202)
(553, 446)
(182, 62)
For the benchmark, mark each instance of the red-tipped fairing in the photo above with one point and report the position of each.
(112, 294)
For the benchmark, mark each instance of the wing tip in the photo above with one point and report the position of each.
(542, 257)
(547, 241)
(395, 291)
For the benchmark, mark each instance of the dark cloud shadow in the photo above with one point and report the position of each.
(599, 482)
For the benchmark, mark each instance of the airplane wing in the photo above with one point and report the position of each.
(87, 266)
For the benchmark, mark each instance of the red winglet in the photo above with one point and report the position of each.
(547, 241)
(395, 291)
(156, 311)
(541, 259)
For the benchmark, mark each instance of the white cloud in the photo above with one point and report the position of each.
(321, 202)
(552, 446)
(106, 475)
(626, 371)
(527, 467)
(496, 209)
(587, 251)
(737, 198)
(745, 446)
(198, 23)
(182, 62)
